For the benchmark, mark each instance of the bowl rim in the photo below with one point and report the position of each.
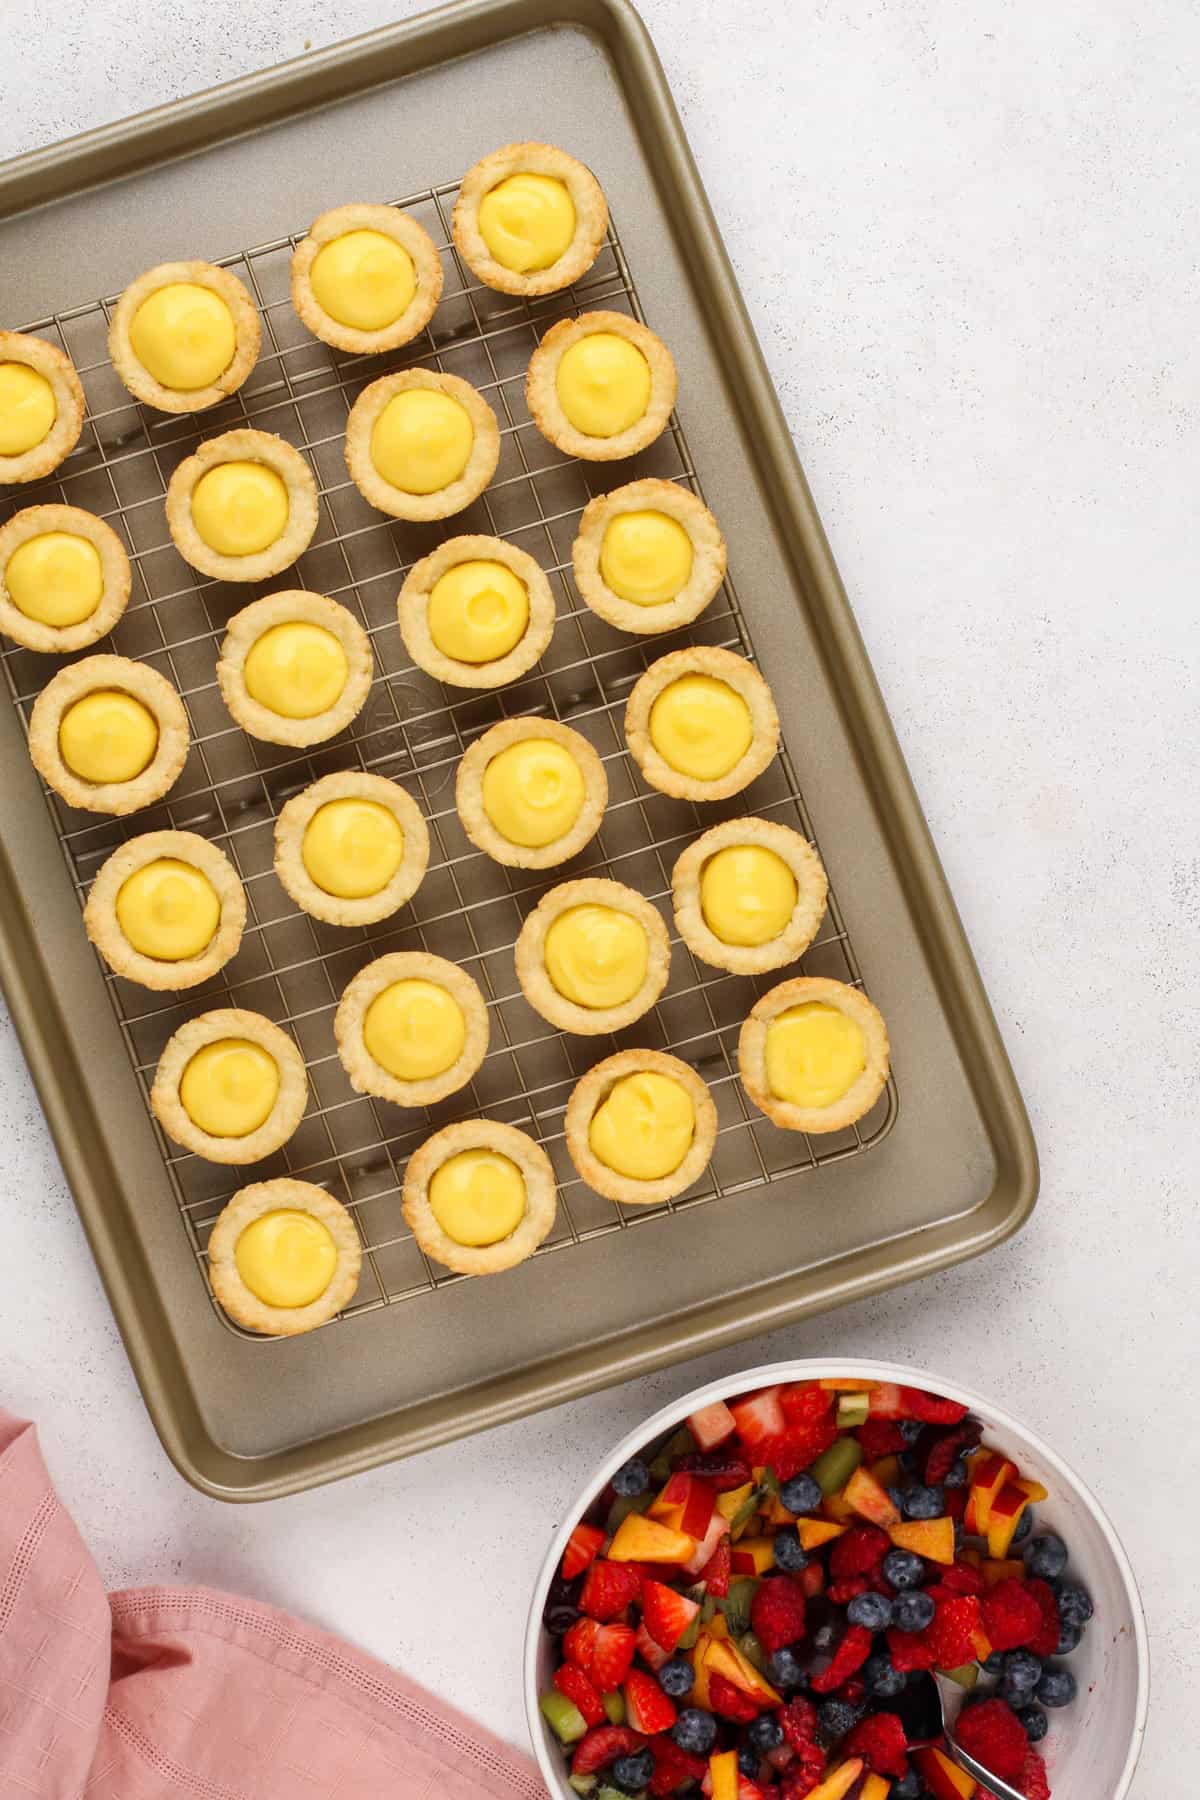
(810, 1369)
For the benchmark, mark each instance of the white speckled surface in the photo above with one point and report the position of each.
(967, 238)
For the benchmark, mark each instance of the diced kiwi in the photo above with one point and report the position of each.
(833, 1470)
(563, 1717)
(606, 1791)
(687, 1641)
(583, 1784)
(623, 1505)
(966, 1676)
(614, 1706)
(852, 1410)
(708, 1607)
(770, 1484)
(745, 1512)
(753, 1651)
(736, 1604)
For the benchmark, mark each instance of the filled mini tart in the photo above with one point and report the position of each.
(64, 578)
(295, 668)
(641, 1127)
(41, 407)
(476, 612)
(749, 895)
(109, 735)
(593, 956)
(648, 557)
(366, 278)
(243, 506)
(600, 386)
(284, 1257)
(531, 792)
(230, 1086)
(411, 1028)
(184, 336)
(813, 1054)
(479, 1196)
(529, 219)
(421, 445)
(701, 723)
(352, 848)
(166, 909)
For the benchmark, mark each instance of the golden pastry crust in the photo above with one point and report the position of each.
(413, 607)
(541, 1201)
(48, 360)
(587, 197)
(708, 556)
(244, 445)
(247, 336)
(368, 1076)
(336, 909)
(752, 1045)
(156, 695)
(468, 794)
(541, 392)
(812, 889)
(210, 1028)
(392, 223)
(250, 1203)
(735, 672)
(539, 989)
(481, 464)
(292, 606)
(594, 1088)
(100, 913)
(115, 574)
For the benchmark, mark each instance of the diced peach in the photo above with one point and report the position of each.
(875, 1787)
(838, 1508)
(711, 1425)
(718, 1626)
(724, 1771)
(974, 1557)
(1010, 1569)
(815, 1532)
(944, 1779)
(931, 1538)
(641, 1539)
(1036, 1492)
(869, 1500)
(887, 1471)
(840, 1782)
(987, 1478)
(848, 1384)
(669, 1505)
(758, 1553)
(724, 1658)
(776, 1513)
(731, 1503)
(699, 1659)
(1003, 1518)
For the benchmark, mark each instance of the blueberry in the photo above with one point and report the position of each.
(837, 1717)
(676, 1677)
(924, 1503)
(1074, 1604)
(1035, 1722)
(1068, 1640)
(956, 1474)
(633, 1772)
(560, 1617)
(896, 1498)
(788, 1553)
(882, 1679)
(908, 1787)
(913, 1610)
(748, 1761)
(1024, 1526)
(960, 1535)
(765, 1733)
(1046, 1557)
(908, 1461)
(631, 1480)
(910, 1430)
(695, 1731)
(872, 1611)
(802, 1494)
(1056, 1688)
(1022, 1671)
(786, 1670)
(903, 1568)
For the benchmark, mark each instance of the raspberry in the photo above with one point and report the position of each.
(881, 1437)
(881, 1743)
(843, 1592)
(777, 1613)
(992, 1733)
(947, 1447)
(806, 1773)
(799, 1721)
(797, 1447)
(1044, 1641)
(730, 1702)
(858, 1551)
(848, 1658)
(1010, 1615)
(909, 1650)
(1032, 1779)
(575, 1685)
(951, 1637)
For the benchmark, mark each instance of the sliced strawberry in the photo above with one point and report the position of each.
(711, 1425)
(575, 1685)
(848, 1658)
(647, 1708)
(931, 1409)
(652, 1654)
(673, 1768)
(730, 1702)
(951, 1637)
(615, 1645)
(698, 1508)
(666, 1614)
(608, 1589)
(602, 1745)
(887, 1401)
(909, 1650)
(717, 1570)
(579, 1644)
(583, 1546)
(804, 1401)
(794, 1449)
(759, 1416)
(882, 1744)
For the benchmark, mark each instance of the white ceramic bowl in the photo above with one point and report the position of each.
(1093, 1746)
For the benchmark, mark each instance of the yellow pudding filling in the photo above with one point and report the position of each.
(230, 1087)
(363, 279)
(422, 440)
(477, 1197)
(644, 1128)
(286, 1258)
(747, 894)
(56, 578)
(184, 335)
(533, 792)
(603, 384)
(415, 1030)
(646, 557)
(240, 508)
(168, 910)
(478, 612)
(596, 956)
(352, 848)
(527, 222)
(28, 408)
(814, 1054)
(296, 669)
(107, 736)
(701, 727)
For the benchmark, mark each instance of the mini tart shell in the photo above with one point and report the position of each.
(413, 607)
(541, 1202)
(540, 991)
(443, 502)
(587, 197)
(244, 445)
(541, 392)
(115, 575)
(293, 606)
(336, 909)
(735, 672)
(390, 222)
(48, 360)
(812, 888)
(593, 1089)
(752, 1045)
(468, 794)
(100, 913)
(247, 336)
(209, 1028)
(708, 556)
(249, 1204)
(141, 682)
(369, 1077)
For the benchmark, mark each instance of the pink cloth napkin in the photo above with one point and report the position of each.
(188, 1692)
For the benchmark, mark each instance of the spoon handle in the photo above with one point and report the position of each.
(991, 1782)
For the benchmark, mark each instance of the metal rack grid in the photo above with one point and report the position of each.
(293, 968)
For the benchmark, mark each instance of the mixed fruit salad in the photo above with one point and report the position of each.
(751, 1609)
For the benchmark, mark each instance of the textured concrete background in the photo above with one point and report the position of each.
(967, 237)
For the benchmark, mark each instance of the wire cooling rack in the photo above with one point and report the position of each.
(293, 968)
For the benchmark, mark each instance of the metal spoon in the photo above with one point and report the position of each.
(950, 1702)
